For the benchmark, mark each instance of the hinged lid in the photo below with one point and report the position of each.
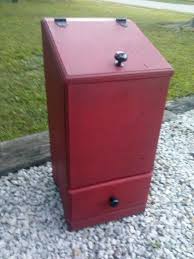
(87, 48)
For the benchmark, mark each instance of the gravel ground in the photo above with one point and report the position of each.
(32, 223)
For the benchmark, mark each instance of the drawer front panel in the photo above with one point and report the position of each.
(109, 197)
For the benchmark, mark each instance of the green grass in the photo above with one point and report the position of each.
(22, 93)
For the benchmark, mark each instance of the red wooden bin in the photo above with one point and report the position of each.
(105, 113)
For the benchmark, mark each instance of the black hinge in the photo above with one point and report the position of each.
(61, 22)
(122, 21)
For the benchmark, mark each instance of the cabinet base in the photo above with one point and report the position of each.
(76, 225)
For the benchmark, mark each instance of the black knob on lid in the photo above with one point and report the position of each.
(113, 202)
(120, 57)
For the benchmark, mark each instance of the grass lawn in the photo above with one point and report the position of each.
(22, 93)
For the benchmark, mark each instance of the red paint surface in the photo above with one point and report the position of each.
(93, 201)
(104, 121)
(114, 129)
(87, 49)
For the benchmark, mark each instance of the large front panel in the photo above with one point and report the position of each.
(114, 129)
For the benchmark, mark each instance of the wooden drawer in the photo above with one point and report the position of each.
(95, 201)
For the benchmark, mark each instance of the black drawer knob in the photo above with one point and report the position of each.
(113, 202)
(120, 57)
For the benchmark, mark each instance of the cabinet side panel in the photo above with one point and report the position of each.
(56, 96)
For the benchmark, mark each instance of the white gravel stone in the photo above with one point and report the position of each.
(32, 223)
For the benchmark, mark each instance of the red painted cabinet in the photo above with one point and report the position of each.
(106, 88)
